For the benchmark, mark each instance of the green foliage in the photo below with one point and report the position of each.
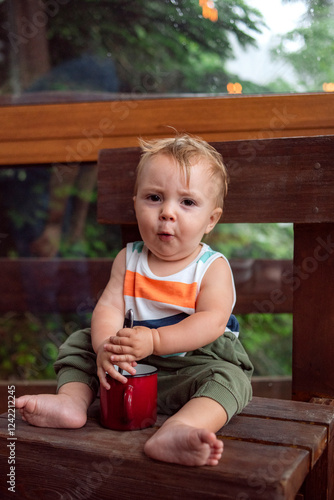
(309, 48)
(256, 241)
(98, 241)
(25, 349)
(268, 341)
(192, 50)
(266, 337)
(29, 343)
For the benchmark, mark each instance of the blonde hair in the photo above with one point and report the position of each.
(187, 150)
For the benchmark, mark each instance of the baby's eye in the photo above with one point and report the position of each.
(188, 203)
(153, 197)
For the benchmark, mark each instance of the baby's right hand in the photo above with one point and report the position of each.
(104, 366)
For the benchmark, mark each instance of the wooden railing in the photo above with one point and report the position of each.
(68, 133)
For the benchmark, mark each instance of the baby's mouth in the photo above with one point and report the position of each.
(164, 236)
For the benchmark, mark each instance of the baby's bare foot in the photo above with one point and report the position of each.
(183, 444)
(52, 410)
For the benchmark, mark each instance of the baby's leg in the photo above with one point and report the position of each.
(188, 437)
(67, 409)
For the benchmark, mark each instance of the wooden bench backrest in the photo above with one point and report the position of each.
(273, 180)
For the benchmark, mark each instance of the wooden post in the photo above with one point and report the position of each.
(313, 308)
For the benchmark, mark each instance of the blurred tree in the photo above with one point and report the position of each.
(309, 48)
(255, 241)
(23, 36)
(157, 45)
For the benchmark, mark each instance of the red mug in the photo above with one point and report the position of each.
(132, 405)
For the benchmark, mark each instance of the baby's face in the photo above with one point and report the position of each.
(172, 214)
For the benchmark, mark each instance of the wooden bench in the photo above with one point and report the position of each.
(73, 285)
(275, 449)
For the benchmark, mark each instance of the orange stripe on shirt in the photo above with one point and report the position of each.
(168, 292)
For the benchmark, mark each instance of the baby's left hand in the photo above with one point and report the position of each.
(130, 344)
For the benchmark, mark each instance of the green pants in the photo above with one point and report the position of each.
(220, 371)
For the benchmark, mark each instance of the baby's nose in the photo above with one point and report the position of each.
(167, 212)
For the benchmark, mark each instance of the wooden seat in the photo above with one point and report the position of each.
(268, 451)
(275, 449)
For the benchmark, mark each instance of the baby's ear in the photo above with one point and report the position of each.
(214, 218)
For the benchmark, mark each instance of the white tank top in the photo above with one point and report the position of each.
(160, 301)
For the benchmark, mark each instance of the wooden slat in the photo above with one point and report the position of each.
(263, 386)
(313, 322)
(294, 411)
(284, 432)
(274, 386)
(274, 180)
(52, 285)
(67, 133)
(66, 285)
(262, 285)
(267, 387)
(23, 387)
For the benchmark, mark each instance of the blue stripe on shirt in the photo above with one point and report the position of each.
(232, 324)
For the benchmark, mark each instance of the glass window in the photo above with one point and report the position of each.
(96, 49)
(52, 255)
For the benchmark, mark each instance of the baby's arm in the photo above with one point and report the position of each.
(107, 320)
(213, 309)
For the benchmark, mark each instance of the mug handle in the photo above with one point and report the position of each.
(127, 404)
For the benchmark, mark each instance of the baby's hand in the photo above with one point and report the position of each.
(105, 365)
(131, 344)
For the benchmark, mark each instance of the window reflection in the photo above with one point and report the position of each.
(169, 47)
(55, 258)
(48, 212)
